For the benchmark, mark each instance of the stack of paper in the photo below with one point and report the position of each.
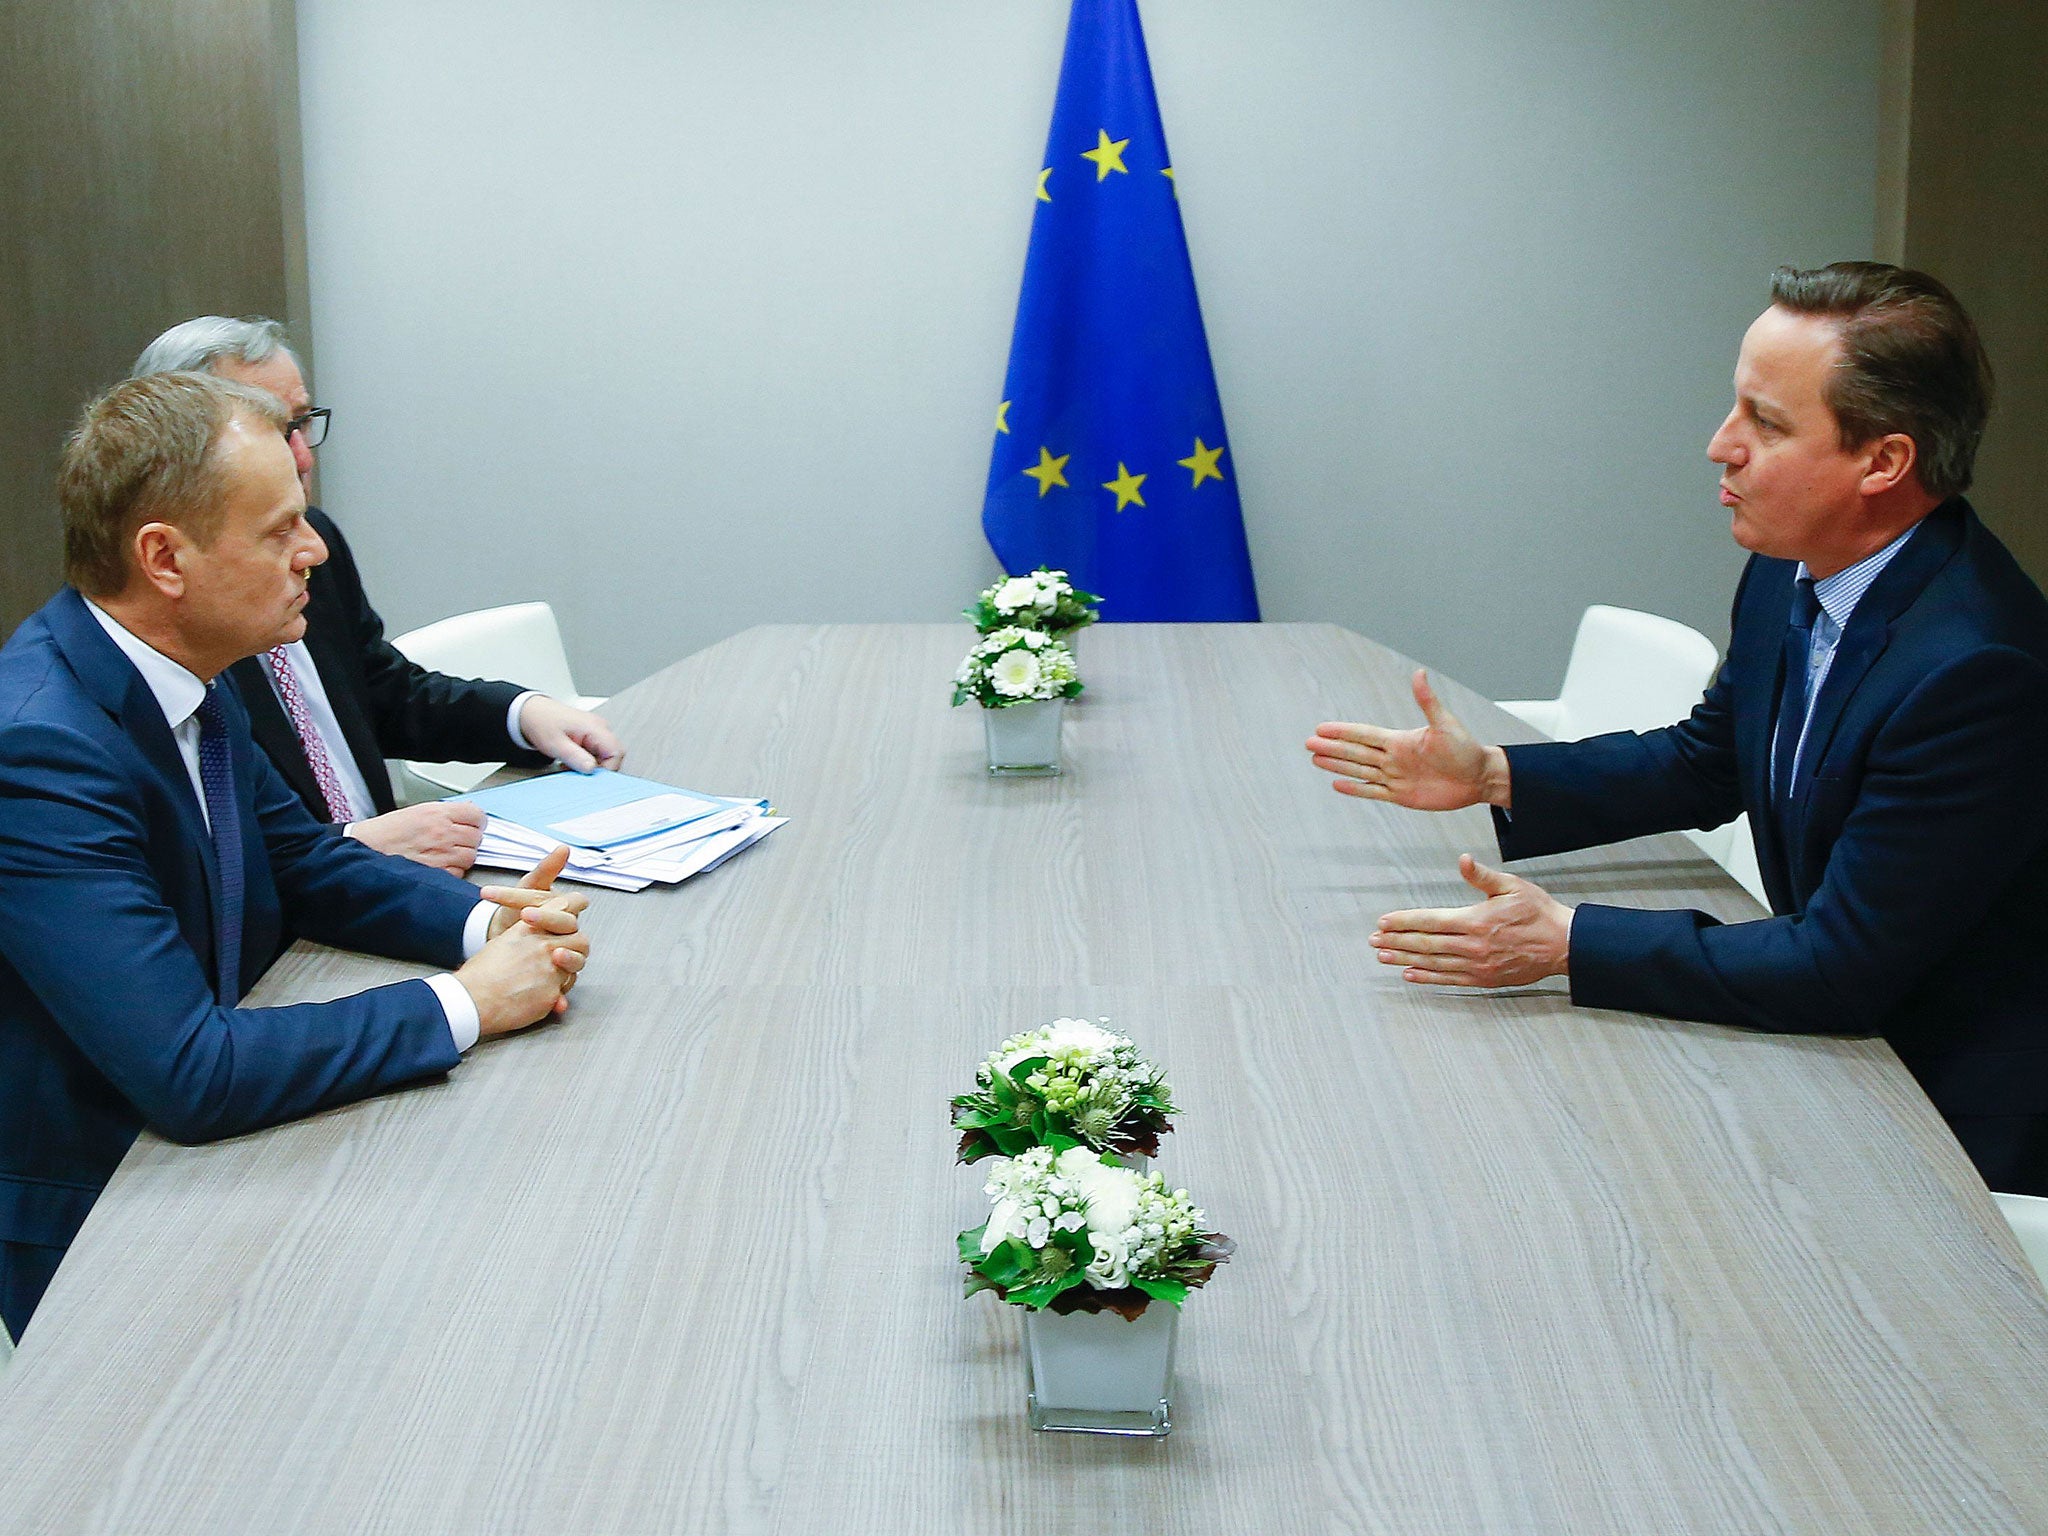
(622, 832)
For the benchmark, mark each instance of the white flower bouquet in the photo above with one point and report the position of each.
(1066, 1084)
(1042, 600)
(1016, 666)
(1076, 1233)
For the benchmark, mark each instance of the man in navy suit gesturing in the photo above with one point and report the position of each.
(1882, 716)
(150, 856)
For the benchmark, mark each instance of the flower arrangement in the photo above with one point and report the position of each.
(1077, 1233)
(1016, 666)
(1043, 600)
(1067, 1084)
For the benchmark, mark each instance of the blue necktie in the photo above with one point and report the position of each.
(219, 781)
(1792, 699)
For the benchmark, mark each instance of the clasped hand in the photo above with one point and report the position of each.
(1518, 933)
(534, 949)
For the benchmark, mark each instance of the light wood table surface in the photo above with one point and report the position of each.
(683, 1260)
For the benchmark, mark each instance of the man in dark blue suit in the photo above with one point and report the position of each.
(150, 855)
(1882, 716)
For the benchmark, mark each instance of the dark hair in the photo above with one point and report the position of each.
(1911, 362)
(145, 451)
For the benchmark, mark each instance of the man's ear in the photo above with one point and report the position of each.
(1888, 462)
(160, 551)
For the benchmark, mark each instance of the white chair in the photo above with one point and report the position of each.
(2028, 1215)
(1633, 671)
(1738, 857)
(519, 643)
(1628, 671)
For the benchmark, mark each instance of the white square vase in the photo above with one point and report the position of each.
(1101, 1374)
(1024, 739)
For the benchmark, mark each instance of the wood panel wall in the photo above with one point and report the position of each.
(1977, 217)
(149, 171)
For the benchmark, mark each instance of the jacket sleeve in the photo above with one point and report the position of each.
(337, 891)
(1945, 820)
(1606, 789)
(94, 937)
(417, 713)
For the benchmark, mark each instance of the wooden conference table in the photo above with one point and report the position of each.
(683, 1261)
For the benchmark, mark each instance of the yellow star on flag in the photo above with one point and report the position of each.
(1003, 420)
(1168, 174)
(1126, 487)
(1203, 463)
(1043, 177)
(1107, 154)
(1048, 471)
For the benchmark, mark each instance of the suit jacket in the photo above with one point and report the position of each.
(386, 705)
(108, 1018)
(1907, 878)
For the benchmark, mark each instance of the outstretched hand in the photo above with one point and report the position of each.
(1518, 934)
(1440, 767)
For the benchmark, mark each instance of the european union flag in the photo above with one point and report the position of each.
(1111, 461)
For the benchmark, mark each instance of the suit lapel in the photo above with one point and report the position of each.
(113, 683)
(1869, 631)
(1757, 655)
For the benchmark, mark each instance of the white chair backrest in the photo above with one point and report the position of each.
(519, 643)
(1632, 671)
(2028, 1215)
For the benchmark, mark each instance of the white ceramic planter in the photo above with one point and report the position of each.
(1101, 1374)
(1024, 739)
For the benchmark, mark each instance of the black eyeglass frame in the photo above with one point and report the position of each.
(313, 423)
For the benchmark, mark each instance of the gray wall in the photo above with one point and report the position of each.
(148, 172)
(691, 316)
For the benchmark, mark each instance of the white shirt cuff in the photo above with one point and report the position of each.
(512, 719)
(463, 1024)
(476, 928)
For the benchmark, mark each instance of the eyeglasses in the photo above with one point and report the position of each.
(313, 423)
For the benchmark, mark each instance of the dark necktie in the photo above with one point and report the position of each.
(218, 780)
(1792, 699)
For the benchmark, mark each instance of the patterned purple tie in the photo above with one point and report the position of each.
(339, 810)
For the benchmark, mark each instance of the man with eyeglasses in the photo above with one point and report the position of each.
(151, 859)
(330, 708)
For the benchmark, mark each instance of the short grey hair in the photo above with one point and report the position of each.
(195, 345)
(148, 450)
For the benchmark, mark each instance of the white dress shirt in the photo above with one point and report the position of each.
(179, 693)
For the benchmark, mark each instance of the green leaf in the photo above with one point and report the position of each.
(1163, 1290)
(1012, 1139)
(969, 1244)
(1023, 1070)
(1009, 1262)
(1036, 1296)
